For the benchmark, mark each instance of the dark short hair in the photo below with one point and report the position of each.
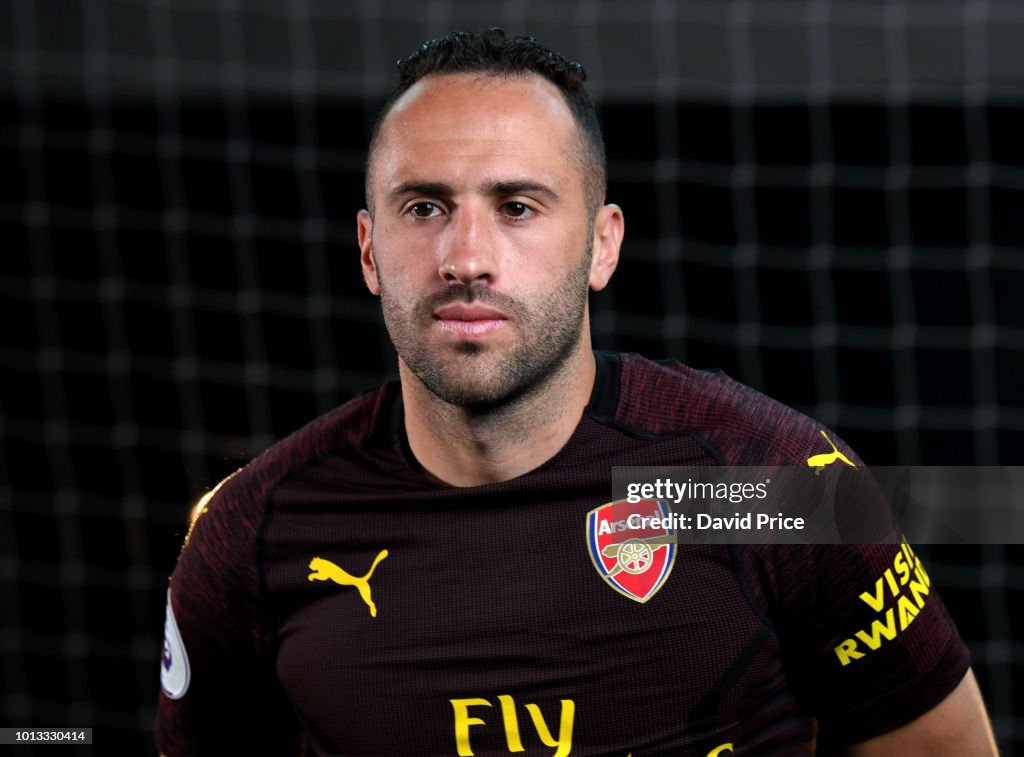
(492, 53)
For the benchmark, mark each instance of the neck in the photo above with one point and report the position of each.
(470, 447)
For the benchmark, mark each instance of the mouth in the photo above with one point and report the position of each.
(469, 320)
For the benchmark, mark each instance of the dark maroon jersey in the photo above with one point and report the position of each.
(332, 589)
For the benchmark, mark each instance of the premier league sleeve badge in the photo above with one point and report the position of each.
(633, 546)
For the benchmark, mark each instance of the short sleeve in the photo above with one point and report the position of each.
(866, 636)
(220, 694)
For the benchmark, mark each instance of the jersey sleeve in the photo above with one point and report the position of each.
(868, 642)
(866, 638)
(219, 693)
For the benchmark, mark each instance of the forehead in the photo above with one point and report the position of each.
(465, 115)
(524, 96)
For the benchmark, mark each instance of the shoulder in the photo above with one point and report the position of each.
(744, 426)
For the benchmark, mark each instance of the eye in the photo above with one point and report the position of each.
(424, 210)
(516, 210)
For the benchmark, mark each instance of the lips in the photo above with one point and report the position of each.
(469, 320)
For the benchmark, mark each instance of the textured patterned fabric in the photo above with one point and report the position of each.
(332, 588)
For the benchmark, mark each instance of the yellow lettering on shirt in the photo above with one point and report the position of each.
(878, 630)
(510, 724)
(463, 721)
(508, 714)
(907, 612)
(564, 742)
(904, 587)
(847, 651)
(875, 601)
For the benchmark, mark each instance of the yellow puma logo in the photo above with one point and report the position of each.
(325, 569)
(818, 462)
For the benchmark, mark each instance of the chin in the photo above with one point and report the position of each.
(472, 395)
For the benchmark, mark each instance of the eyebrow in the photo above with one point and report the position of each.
(500, 188)
(515, 187)
(432, 188)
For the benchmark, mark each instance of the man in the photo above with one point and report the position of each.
(408, 575)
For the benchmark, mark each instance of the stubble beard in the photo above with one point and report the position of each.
(481, 378)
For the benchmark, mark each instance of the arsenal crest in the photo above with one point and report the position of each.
(631, 546)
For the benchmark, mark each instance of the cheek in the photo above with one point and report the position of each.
(406, 280)
(404, 253)
(549, 251)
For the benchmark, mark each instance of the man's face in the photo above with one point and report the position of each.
(480, 238)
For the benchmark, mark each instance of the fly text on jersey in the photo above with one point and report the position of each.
(484, 716)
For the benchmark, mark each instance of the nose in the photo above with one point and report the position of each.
(468, 248)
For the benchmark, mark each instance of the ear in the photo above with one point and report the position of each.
(364, 225)
(609, 226)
